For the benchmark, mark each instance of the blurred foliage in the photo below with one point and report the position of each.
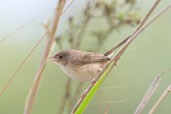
(146, 57)
(112, 13)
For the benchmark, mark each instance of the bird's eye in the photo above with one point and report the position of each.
(60, 56)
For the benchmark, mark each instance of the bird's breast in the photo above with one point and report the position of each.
(85, 72)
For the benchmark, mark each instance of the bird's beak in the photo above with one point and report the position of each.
(52, 59)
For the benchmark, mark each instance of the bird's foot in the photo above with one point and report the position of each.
(84, 93)
(93, 81)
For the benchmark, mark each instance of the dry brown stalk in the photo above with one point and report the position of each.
(43, 63)
(150, 92)
(29, 54)
(107, 108)
(19, 28)
(166, 92)
(120, 52)
(138, 27)
(68, 6)
(32, 50)
(21, 65)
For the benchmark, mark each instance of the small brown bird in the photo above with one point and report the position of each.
(83, 66)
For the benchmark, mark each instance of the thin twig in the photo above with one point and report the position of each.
(20, 66)
(83, 29)
(81, 34)
(116, 58)
(111, 102)
(150, 92)
(66, 96)
(68, 7)
(11, 33)
(147, 16)
(107, 108)
(166, 92)
(77, 92)
(29, 54)
(104, 37)
(133, 36)
(116, 47)
(111, 87)
(78, 42)
(43, 63)
(137, 28)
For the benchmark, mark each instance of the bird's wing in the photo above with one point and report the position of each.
(89, 58)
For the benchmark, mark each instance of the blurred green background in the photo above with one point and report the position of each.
(146, 57)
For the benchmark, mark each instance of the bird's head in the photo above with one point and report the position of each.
(61, 58)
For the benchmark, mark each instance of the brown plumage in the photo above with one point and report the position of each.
(83, 66)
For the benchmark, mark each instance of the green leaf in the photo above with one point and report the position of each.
(93, 90)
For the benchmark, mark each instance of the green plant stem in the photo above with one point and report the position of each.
(83, 102)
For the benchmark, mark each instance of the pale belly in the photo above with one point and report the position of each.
(83, 72)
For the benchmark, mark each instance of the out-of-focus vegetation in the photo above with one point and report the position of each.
(146, 57)
(98, 20)
(112, 15)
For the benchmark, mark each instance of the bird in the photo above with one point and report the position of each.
(80, 65)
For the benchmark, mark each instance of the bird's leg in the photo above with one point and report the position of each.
(84, 93)
(93, 81)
